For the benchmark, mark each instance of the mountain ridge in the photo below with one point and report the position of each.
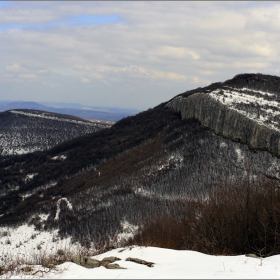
(229, 118)
(154, 163)
(88, 112)
(23, 131)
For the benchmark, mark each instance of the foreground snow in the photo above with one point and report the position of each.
(171, 264)
(24, 241)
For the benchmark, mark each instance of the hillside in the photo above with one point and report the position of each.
(166, 161)
(23, 131)
(245, 109)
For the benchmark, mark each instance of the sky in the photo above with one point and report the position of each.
(131, 54)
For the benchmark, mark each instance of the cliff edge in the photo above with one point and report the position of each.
(245, 109)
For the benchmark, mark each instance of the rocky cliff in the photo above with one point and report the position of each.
(247, 112)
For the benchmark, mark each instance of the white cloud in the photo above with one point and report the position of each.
(83, 67)
(28, 76)
(140, 72)
(158, 46)
(13, 67)
(85, 80)
(177, 52)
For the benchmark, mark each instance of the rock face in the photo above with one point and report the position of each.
(85, 261)
(89, 262)
(113, 266)
(140, 261)
(110, 260)
(229, 118)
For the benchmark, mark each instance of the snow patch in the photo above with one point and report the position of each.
(21, 151)
(240, 156)
(264, 106)
(43, 217)
(129, 230)
(223, 144)
(60, 157)
(47, 116)
(30, 176)
(167, 162)
(69, 206)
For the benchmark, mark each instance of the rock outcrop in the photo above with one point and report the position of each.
(227, 122)
(86, 261)
(140, 261)
(89, 262)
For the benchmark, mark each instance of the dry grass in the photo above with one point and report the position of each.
(39, 264)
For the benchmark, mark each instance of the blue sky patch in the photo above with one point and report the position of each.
(5, 3)
(91, 19)
(80, 20)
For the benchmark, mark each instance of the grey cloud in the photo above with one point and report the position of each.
(156, 51)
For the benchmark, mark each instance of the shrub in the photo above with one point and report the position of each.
(229, 220)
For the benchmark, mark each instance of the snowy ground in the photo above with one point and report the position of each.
(170, 264)
(26, 242)
(264, 106)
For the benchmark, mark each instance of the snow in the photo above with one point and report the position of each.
(48, 116)
(240, 157)
(30, 176)
(60, 157)
(267, 105)
(128, 231)
(41, 131)
(223, 144)
(172, 264)
(29, 193)
(25, 241)
(69, 205)
(21, 151)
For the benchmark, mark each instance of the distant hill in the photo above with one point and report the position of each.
(23, 131)
(75, 109)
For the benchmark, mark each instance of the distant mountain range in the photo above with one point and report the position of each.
(88, 112)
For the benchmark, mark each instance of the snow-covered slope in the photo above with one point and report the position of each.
(27, 243)
(24, 131)
(168, 264)
(173, 264)
(262, 107)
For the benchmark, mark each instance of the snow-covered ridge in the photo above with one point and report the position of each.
(47, 116)
(262, 107)
(248, 116)
(24, 132)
